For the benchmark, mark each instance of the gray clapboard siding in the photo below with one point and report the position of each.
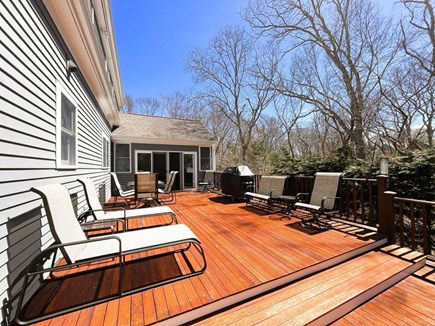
(33, 60)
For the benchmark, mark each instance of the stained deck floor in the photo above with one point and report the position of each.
(247, 251)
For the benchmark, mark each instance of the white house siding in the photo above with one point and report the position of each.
(32, 59)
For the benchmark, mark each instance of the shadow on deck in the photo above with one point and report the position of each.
(250, 255)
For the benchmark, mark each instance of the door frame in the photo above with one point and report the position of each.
(182, 153)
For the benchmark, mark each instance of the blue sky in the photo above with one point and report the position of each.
(153, 38)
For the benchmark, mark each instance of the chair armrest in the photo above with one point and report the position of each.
(250, 186)
(275, 190)
(322, 203)
(114, 220)
(300, 194)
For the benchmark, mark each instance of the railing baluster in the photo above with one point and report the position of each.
(402, 228)
(371, 213)
(412, 218)
(426, 238)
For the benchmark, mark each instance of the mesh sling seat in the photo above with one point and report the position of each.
(322, 201)
(101, 215)
(146, 189)
(168, 190)
(91, 255)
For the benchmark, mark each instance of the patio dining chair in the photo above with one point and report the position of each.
(169, 189)
(117, 189)
(146, 188)
(87, 253)
(207, 182)
(269, 190)
(323, 200)
(101, 215)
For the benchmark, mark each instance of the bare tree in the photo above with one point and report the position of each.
(419, 44)
(184, 106)
(129, 105)
(147, 106)
(289, 112)
(419, 34)
(227, 68)
(340, 50)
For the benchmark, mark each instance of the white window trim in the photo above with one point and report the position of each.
(59, 91)
(210, 158)
(139, 151)
(195, 169)
(129, 155)
(104, 137)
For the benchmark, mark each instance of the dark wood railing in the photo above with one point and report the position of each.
(408, 222)
(405, 221)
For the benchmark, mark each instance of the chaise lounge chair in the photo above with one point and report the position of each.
(101, 214)
(322, 201)
(117, 189)
(168, 190)
(78, 250)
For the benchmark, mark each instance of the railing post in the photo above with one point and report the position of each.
(292, 184)
(382, 188)
(387, 225)
(381, 181)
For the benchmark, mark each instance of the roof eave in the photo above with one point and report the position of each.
(74, 22)
(158, 141)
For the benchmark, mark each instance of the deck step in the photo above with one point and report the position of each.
(326, 296)
(251, 293)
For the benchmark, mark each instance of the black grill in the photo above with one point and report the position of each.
(235, 179)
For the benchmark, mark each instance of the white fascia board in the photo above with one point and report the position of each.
(74, 23)
(156, 141)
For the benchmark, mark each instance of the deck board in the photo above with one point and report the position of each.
(244, 248)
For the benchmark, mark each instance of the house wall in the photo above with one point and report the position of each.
(124, 178)
(33, 58)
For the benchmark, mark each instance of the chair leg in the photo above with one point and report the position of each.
(315, 223)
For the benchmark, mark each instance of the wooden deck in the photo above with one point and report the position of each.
(249, 254)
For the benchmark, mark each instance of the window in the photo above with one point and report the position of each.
(205, 158)
(105, 152)
(143, 162)
(122, 157)
(66, 130)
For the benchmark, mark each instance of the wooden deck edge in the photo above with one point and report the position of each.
(211, 308)
(367, 295)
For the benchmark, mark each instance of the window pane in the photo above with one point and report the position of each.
(205, 158)
(122, 163)
(144, 162)
(105, 152)
(68, 114)
(68, 145)
(68, 129)
(122, 150)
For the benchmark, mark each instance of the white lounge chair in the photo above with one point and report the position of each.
(77, 249)
(101, 214)
(323, 199)
(117, 189)
(168, 190)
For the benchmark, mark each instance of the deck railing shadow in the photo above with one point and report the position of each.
(407, 222)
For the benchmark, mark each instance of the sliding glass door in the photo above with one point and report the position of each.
(189, 171)
(163, 162)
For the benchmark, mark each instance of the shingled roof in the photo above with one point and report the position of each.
(150, 129)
